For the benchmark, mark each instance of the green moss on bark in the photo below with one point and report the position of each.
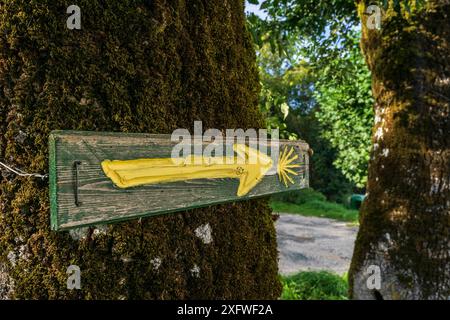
(405, 218)
(136, 66)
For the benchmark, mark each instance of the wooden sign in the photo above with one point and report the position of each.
(98, 178)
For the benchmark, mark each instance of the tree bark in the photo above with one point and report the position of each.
(135, 66)
(405, 219)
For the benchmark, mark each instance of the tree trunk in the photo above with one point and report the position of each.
(405, 219)
(135, 66)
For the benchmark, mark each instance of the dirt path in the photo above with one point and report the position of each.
(310, 243)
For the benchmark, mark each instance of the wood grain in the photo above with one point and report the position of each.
(100, 202)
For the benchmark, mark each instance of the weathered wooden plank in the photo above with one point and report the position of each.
(101, 201)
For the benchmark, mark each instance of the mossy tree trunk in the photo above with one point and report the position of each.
(405, 219)
(135, 66)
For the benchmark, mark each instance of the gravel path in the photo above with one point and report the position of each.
(310, 243)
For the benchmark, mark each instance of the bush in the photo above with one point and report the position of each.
(300, 196)
(320, 285)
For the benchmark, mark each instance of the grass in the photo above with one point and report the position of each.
(321, 285)
(311, 203)
(317, 209)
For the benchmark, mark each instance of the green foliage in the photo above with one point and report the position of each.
(321, 285)
(324, 176)
(315, 20)
(400, 5)
(284, 87)
(343, 93)
(318, 42)
(320, 209)
(308, 202)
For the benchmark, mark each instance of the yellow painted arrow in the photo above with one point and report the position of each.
(131, 173)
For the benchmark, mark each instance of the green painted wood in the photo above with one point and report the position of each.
(102, 203)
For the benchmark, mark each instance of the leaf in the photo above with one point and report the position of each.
(284, 110)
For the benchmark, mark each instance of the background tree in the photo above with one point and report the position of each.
(316, 86)
(135, 66)
(405, 218)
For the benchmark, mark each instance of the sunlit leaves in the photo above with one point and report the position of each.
(343, 93)
(310, 61)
